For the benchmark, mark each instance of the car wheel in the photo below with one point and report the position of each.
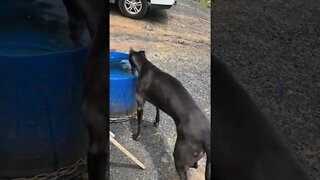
(135, 9)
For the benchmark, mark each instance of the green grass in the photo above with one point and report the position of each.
(205, 3)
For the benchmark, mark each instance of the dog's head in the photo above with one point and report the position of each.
(136, 59)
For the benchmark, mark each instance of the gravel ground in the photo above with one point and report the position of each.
(177, 41)
(273, 48)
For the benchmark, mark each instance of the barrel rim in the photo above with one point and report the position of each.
(76, 48)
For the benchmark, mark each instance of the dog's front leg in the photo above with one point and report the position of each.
(96, 155)
(76, 21)
(140, 101)
(156, 121)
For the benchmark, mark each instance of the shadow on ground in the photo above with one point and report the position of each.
(154, 144)
(152, 149)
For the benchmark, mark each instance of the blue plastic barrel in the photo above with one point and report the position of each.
(122, 86)
(41, 122)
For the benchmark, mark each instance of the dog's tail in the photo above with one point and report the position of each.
(207, 148)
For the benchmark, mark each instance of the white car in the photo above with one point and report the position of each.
(136, 9)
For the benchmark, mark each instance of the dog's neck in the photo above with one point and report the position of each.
(140, 62)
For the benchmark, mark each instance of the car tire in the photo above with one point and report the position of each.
(134, 13)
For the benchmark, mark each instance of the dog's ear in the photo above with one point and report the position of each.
(143, 53)
(131, 50)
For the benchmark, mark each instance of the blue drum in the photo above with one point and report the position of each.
(41, 123)
(122, 87)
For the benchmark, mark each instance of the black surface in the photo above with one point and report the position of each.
(273, 49)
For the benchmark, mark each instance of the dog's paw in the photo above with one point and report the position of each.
(156, 124)
(135, 136)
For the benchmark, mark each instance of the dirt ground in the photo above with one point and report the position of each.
(178, 42)
(273, 48)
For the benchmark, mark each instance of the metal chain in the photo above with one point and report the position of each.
(67, 170)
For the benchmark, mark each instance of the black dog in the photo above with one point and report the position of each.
(92, 14)
(167, 93)
(246, 147)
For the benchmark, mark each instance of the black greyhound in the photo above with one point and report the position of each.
(167, 93)
(246, 147)
(93, 15)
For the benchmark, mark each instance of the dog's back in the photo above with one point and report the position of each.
(167, 93)
(245, 144)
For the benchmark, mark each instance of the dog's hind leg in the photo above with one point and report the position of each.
(140, 100)
(181, 167)
(156, 121)
(208, 168)
(181, 155)
(182, 171)
(207, 147)
(195, 165)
